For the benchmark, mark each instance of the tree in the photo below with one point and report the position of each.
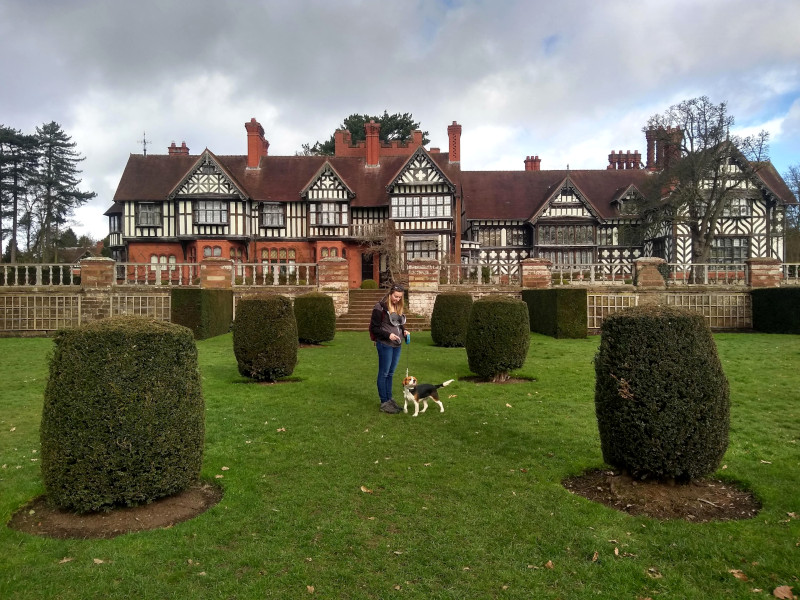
(18, 155)
(704, 167)
(56, 184)
(792, 177)
(393, 127)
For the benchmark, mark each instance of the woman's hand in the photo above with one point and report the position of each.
(393, 337)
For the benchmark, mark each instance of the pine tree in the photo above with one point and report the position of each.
(18, 154)
(56, 185)
(393, 127)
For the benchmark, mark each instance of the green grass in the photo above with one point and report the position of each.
(465, 504)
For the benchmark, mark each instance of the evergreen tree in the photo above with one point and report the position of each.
(393, 127)
(18, 154)
(56, 185)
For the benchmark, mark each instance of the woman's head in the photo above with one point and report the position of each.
(394, 298)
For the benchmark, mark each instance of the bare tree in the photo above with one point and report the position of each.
(703, 166)
(380, 239)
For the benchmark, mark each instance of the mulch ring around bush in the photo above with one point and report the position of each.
(39, 517)
(698, 501)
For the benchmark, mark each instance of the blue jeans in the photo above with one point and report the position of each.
(388, 357)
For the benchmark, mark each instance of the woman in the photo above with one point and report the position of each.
(386, 327)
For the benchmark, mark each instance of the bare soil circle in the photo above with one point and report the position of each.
(40, 517)
(698, 501)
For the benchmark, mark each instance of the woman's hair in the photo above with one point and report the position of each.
(387, 300)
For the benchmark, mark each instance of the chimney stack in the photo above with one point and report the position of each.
(257, 145)
(454, 144)
(174, 150)
(373, 130)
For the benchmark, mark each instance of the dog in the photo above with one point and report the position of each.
(416, 393)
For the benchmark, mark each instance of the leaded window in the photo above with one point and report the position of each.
(727, 250)
(421, 207)
(328, 213)
(148, 214)
(273, 214)
(421, 249)
(211, 212)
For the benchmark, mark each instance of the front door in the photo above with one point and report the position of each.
(367, 271)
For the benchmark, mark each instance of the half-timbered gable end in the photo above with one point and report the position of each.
(328, 200)
(422, 203)
(209, 202)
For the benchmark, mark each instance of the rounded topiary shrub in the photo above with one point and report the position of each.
(123, 417)
(450, 319)
(316, 318)
(265, 337)
(369, 284)
(498, 336)
(661, 397)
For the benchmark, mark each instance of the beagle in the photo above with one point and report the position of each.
(417, 393)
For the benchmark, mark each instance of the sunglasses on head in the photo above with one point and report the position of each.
(397, 288)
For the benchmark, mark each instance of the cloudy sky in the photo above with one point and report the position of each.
(568, 81)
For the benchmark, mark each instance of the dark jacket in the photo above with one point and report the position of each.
(380, 325)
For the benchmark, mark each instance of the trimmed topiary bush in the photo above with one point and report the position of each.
(369, 284)
(316, 317)
(450, 319)
(123, 416)
(776, 310)
(265, 337)
(498, 336)
(661, 398)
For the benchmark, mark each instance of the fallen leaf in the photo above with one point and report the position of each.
(398, 551)
(595, 556)
(427, 464)
(98, 561)
(453, 396)
(281, 429)
(765, 462)
(202, 573)
(508, 405)
(616, 551)
(654, 573)
(13, 429)
(218, 476)
(549, 564)
(365, 489)
(738, 574)
(792, 515)
(226, 468)
(505, 587)
(310, 589)
(784, 592)
(66, 559)
(465, 569)
(398, 588)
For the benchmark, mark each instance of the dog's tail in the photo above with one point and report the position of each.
(448, 382)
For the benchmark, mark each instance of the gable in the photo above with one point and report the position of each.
(327, 185)
(566, 201)
(420, 170)
(205, 178)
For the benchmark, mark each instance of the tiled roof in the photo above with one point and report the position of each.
(519, 195)
(279, 178)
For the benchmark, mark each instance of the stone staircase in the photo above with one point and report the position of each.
(360, 311)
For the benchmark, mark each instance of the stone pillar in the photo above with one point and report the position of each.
(536, 273)
(333, 278)
(423, 286)
(216, 273)
(97, 272)
(764, 272)
(646, 273)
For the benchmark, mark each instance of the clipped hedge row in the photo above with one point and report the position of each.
(450, 319)
(776, 310)
(661, 398)
(123, 416)
(559, 313)
(316, 317)
(498, 336)
(265, 338)
(208, 313)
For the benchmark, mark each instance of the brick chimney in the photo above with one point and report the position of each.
(454, 143)
(650, 136)
(174, 150)
(257, 145)
(373, 131)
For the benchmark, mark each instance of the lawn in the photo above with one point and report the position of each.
(324, 496)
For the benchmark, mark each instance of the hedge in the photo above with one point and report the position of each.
(123, 414)
(208, 313)
(316, 317)
(661, 398)
(450, 319)
(559, 313)
(265, 338)
(776, 310)
(498, 336)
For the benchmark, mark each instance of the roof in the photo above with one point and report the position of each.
(776, 184)
(279, 178)
(519, 195)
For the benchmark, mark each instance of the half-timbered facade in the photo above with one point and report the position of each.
(257, 208)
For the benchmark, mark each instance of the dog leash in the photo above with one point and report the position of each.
(408, 351)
